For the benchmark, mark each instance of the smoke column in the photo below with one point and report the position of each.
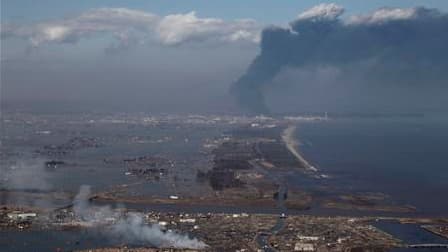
(391, 46)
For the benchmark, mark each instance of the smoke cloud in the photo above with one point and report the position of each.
(388, 47)
(130, 227)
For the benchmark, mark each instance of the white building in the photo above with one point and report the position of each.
(21, 216)
(189, 220)
(307, 238)
(304, 247)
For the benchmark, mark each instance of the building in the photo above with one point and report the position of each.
(307, 238)
(299, 246)
(21, 216)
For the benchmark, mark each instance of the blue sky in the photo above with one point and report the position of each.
(264, 11)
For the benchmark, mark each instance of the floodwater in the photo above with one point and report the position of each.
(411, 234)
(51, 240)
(101, 167)
(405, 158)
(62, 240)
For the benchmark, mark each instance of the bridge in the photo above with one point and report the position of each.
(428, 245)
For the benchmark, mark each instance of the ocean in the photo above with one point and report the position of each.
(403, 157)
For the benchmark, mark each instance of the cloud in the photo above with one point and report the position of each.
(179, 28)
(323, 11)
(388, 14)
(129, 25)
(390, 46)
(117, 21)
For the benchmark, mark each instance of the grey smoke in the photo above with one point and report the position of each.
(130, 226)
(388, 47)
(81, 205)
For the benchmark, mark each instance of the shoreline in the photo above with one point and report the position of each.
(292, 145)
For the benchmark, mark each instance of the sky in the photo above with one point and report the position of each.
(265, 11)
(155, 55)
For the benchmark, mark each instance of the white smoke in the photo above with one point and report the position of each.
(130, 226)
(134, 229)
(28, 175)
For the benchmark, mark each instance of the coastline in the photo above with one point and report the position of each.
(292, 145)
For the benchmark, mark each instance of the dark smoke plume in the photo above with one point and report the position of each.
(391, 46)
